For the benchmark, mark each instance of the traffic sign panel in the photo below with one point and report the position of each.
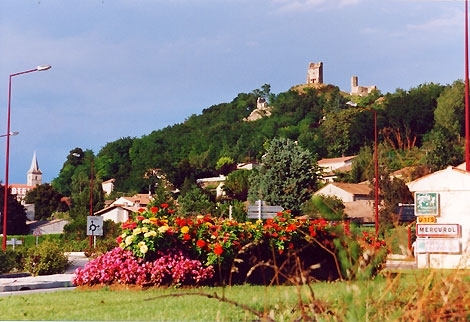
(94, 226)
(437, 230)
(426, 219)
(438, 245)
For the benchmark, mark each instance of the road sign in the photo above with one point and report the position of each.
(437, 230)
(94, 225)
(438, 245)
(37, 232)
(426, 219)
(261, 211)
(426, 203)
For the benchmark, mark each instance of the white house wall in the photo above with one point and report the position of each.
(333, 191)
(118, 215)
(453, 189)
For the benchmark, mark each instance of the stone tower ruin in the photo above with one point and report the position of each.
(315, 73)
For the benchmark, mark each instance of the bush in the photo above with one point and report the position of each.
(12, 260)
(7, 261)
(45, 259)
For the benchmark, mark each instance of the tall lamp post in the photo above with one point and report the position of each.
(7, 153)
(376, 168)
(467, 108)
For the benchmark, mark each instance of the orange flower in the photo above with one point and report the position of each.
(218, 249)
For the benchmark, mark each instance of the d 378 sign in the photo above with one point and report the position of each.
(438, 230)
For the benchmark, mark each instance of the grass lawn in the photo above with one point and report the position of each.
(419, 295)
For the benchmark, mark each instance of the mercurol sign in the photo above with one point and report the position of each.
(437, 230)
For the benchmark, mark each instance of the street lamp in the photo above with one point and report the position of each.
(376, 168)
(11, 134)
(7, 154)
(78, 155)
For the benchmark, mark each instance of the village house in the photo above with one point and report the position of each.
(121, 209)
(332, 165)
(357, 199)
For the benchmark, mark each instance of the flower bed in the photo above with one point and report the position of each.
(158, 248)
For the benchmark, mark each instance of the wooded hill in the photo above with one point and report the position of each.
(419, 126)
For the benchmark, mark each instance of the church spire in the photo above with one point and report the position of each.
(34, 176)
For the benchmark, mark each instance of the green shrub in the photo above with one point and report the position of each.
(7, 261)
(45, 259)
(12, 260)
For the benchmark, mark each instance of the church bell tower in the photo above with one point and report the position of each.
(34, 176)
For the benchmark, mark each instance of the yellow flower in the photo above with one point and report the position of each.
(199, 216)
(123, 235)
(146, 221)
(185, 229)
(122, 245)
(140, 244)
(259, 222)
(162, 229)
(129, 240)
(136, 231)
(144, 249)
(145, 229)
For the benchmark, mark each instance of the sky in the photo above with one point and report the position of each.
(126, 68)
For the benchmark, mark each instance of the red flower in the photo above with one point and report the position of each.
(119, 240)
(164, 205)
(186, 237)
(154, 210)
(171, 211)
(140, 218)
(291, 227)
(218, 249)
(141, 210)
(200, 243)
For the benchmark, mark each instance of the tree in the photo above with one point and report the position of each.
(225, 165)
(287, 175)
(442, 149)
(236, 184)
(46, 201)
(16, 218)
(450, 110)
(195, 202)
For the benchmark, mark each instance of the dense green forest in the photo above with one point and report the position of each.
(422, 126)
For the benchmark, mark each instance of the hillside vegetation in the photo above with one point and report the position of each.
(422, 126)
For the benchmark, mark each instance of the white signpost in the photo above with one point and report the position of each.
(438, 245)
(261, 211)
(438, 230)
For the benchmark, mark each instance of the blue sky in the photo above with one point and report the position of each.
(126, 68)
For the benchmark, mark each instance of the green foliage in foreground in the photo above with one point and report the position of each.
(422, 295)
